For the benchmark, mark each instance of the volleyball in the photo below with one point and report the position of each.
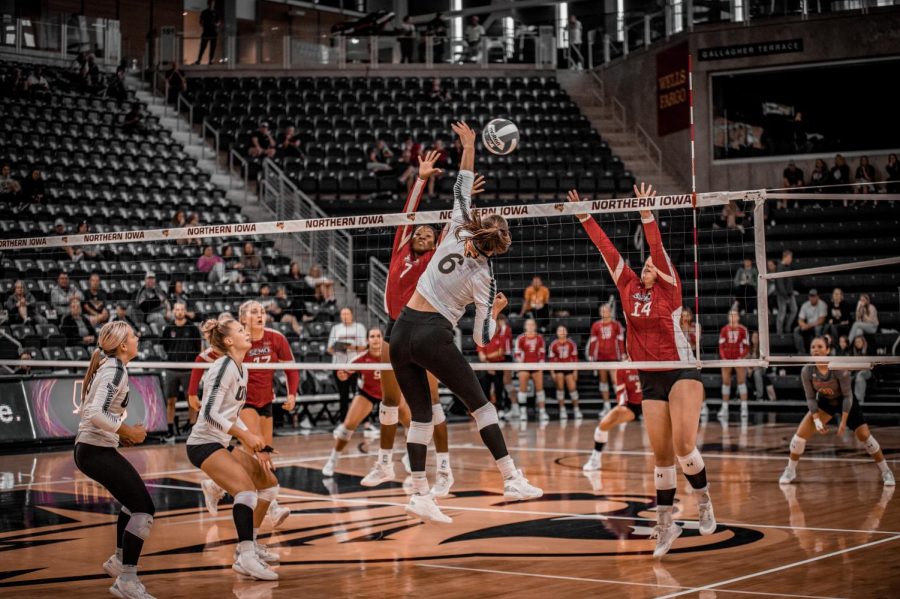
(500, 137)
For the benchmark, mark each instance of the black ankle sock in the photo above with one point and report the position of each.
(698, 481)
(243, 521)
(492, 437)
(598, 447)
(665, 497)
(131, 548)
(417, 456)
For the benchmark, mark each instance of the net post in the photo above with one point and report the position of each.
(762, 284)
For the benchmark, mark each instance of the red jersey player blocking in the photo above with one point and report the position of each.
(410, 256)
(564, 350)
(672, 398)
(606, 344)
(497, 351)
(530, 349)
(628, 408)
(368, 394)
(734, 344)
(268, 346)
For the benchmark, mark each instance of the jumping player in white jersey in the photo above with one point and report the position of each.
(422, 340)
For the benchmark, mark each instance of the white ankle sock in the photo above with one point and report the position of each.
(507, 467)
(443, 461)
(384, 456)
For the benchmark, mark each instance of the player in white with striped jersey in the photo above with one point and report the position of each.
(249, 479)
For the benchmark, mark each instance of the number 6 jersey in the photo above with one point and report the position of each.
(652, 315)
(452, 281)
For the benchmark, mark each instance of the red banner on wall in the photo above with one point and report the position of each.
(673, 108)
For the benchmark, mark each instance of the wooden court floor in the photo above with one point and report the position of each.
(834, 533)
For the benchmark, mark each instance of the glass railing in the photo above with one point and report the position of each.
(63, 37)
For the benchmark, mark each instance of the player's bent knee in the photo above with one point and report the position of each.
(798, 445)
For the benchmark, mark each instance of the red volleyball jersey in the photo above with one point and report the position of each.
(405, 268)
(563, 351)
(652, 315)
(371, 379)
(272, 347)
(207, 355)
(499, 346)
(734, 342)
(607, 342)
(530, 349)
(628, 387)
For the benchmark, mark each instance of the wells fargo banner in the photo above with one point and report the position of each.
(673, 107)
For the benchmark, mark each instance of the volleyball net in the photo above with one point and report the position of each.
(117, 266)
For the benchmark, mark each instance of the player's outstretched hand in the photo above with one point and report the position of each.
(478, 185)
(465, 133)
(426, 165)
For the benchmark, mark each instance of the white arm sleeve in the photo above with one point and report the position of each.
(462, 198)
(103, 392)
(240, 424)
(222, 389)
(484, 291)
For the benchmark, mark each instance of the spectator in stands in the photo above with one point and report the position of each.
(181, 342)
(251, 264)
(277, 307)
(299, 290)
(91, 252)
(866, 318)
(865, 174)
(771, 294)
(209, 23)
(810, 322)
(324, 287)
(76, 327)
(94, 304)
(232, 265)
(861, 377)
(731, 217)
(745, 283)
(819, 176)
(176, 83)
(23, 370)
(33, 189)
(122, 315)
(37, 84)
(211, 265)
(179, 219)
(473, 33)
(89, 76)
(21, 306)
(840, 315)
(892, 174)
(793, 176)
(116, 88)
(409, 161)
(437, 93)
(375, 165)
(436, 29)
(132, 123)
(689, 326)
(536, 304)
(385, 154)
(62, 292)
(289, 144)
(346, 342)
(762, 382)
(177, 295)
(9, 187)
(840, 175)
(785, 295)
(13, 83)
(152, 301)
(406, 36)
(289, 307)
(262, 144)
(573, 28)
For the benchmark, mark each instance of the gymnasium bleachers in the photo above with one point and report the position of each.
(94, 172)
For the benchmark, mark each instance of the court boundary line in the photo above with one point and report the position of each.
(810, 560)
(619, 582)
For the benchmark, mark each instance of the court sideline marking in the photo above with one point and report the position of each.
(715, 585)
(621, 582)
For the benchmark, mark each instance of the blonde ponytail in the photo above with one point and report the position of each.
(111, 337)
(216, 330)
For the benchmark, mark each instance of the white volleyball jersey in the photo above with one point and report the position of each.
(452, 280)
(103, 409)
(223, 397)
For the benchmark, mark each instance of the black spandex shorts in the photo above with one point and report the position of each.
(198, 454)
(635, 408)
(362, 393)
(854, 420)
(657, 384)
(264, 411)
(387, 331)
(563, 372)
